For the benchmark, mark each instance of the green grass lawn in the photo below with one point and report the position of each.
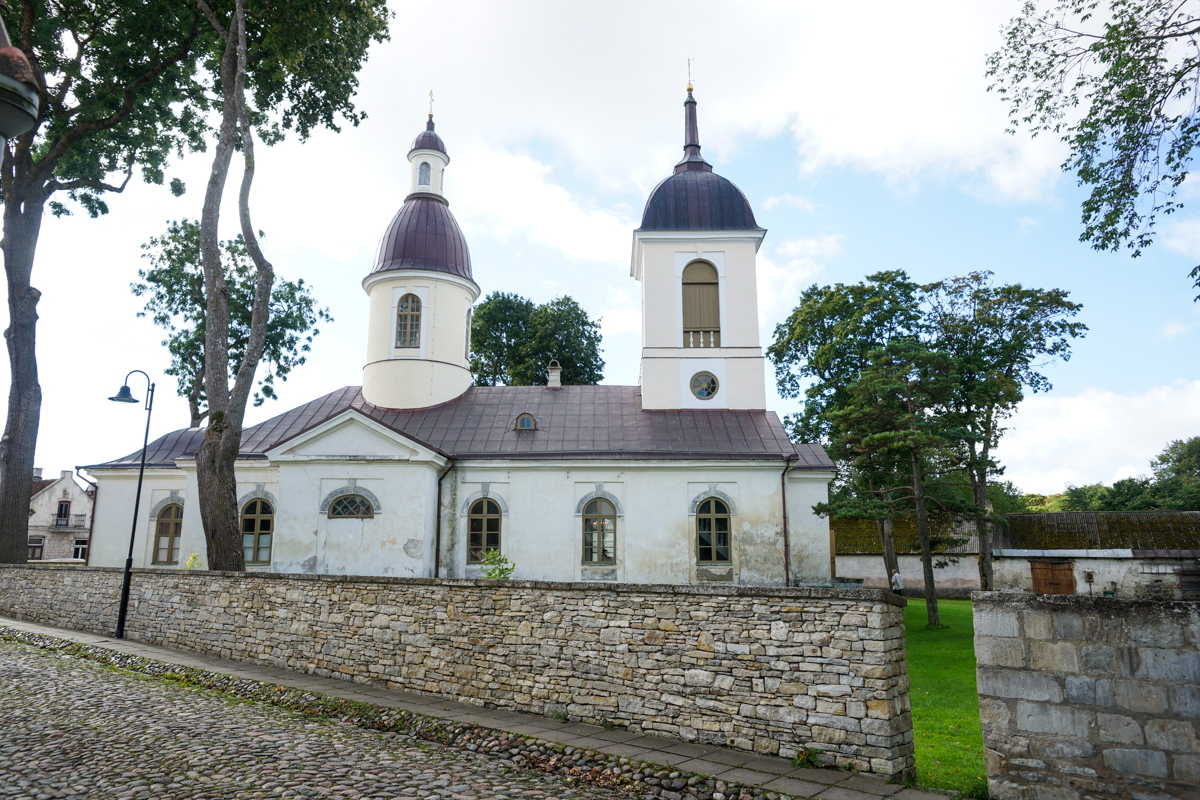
(945, 705)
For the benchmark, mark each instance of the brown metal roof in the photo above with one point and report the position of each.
(428, 140)
(697, 201)
(424, 235)
(573, 422)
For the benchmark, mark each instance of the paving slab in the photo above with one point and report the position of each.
(732, 757)
(838, 793)
(775, 766)
(825, 776)
(871, 785)
(690, 750)
(740, 775)
(917, 794)
(794, 787)
(704, 767)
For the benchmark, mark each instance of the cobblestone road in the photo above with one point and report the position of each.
(71, 728)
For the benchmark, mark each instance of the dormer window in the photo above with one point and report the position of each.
(423, 174)
(525, 422)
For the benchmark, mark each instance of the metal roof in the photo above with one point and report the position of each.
(424, 235)
(428, 140)
(695, 200)
(573, 422)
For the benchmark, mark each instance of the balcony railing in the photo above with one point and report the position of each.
(702, 338)
(73, 521)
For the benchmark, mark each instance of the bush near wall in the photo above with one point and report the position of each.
(771, 670)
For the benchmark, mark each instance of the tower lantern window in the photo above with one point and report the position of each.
(423, 174)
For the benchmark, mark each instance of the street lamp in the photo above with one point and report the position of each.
(126, 396)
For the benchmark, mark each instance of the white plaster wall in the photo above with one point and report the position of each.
(656, 533)
(439, 370)
(1131, 575)
(437, 162)
(114, 514)
(808, 532)
(963, 576)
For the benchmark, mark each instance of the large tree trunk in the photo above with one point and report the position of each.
(22, 224)
(887, 542)
(931, 604)
(217, 484)
(977, 473)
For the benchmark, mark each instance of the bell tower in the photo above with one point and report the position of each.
(695, 256)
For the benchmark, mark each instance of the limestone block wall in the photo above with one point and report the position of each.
(771, 670)
(1088, 697)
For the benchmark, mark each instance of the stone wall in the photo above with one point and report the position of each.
(770, 670)
(1088, 697)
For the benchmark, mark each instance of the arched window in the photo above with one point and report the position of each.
(712, 531)
(701, 306)
(166, 537)
(258, 523)
(483, 530)
(351, 506)
(423, 174)
(408, 321)
(525, 423)
(599, 532)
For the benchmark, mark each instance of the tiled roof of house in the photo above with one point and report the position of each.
(573, 422)
(45, 484)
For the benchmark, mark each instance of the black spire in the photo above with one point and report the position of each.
(692, 160)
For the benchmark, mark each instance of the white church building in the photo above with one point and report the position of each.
(684, 479)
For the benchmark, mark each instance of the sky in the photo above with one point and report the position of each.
(864, 137)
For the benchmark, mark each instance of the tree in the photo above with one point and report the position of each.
(1180, 459)
(896, 410)
(1120, 84)
(563, 331)
(513, 342)
(499, 325)
(286, 66)
(174, 288)
(118, 93)
(1000, 338)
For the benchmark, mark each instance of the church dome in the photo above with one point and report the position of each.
(424, 235)
(429, 140)
(697, 201)
(695, 198)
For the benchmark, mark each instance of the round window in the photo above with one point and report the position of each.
(704, 385)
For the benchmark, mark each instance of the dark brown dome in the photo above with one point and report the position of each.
(697, 201)
(428, 140)
(424, 235)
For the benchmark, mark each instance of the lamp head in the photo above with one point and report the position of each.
(124, 396)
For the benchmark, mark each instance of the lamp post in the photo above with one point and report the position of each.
(19, 99)
(125, 396)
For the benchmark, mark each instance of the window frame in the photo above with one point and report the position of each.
(40, 547)
(425, 174)
(173, 537)
(594, 512)
(258, 534)
(706, 511)
(366, 506)
(62, 520)
(716, 385)
(481, 510)
(75, 548)
(701, 303)
(532, 426)
(409, 315)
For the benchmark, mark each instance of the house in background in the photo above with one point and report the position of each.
(860, 556)
(60, 517)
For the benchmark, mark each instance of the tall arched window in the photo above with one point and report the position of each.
(258, 523)
(599, 532)
(483, 530)
(712, 531)
(408, 321)
(423, 174)
(701, 306)
(166, 536)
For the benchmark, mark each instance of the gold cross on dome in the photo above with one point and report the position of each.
(431, 103)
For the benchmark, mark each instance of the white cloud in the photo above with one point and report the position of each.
(783, 273)
(1183, 236)
(794, 200)
(1096, 435)
(1173, 329)
(1026, 224)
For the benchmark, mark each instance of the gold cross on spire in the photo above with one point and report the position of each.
(431, 103)
(689, 75)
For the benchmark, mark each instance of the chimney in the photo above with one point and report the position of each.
(65, 474)
(37, 473)
(555, 380)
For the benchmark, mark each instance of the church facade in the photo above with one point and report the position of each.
(683, 479)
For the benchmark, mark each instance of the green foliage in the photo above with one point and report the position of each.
(174, 290)
(513, 342)
(1007, 499)
(1120, 88)
(498, 567)
(1175, 486)
(827, 340)
(1180, 459)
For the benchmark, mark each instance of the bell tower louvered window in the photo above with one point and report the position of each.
(701, 306)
